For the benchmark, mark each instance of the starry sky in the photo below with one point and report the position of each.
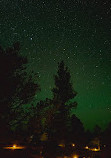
(76, 31)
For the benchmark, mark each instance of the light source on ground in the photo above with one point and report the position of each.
(73, 145)
(75, 156)
(61, 145)
(86, 147)
(14, 147)
(95, 149)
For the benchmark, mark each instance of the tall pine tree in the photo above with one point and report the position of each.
(16, 86)
(63, 92)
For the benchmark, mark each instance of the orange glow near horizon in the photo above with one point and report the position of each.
(95, 149)
(14, 147)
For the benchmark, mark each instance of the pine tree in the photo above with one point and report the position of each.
(62, 92)
(16, 86)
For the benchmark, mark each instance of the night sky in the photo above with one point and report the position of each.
(76, 31)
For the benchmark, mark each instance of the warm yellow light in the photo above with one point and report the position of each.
(61, 145)
(95, 149)
(14, 147)
(86, 147)
(73, 144)
(75, 156)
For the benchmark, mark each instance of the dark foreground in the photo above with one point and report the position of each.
(14, 154)
(37, 153)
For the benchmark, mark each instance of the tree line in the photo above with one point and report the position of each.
(49, 119)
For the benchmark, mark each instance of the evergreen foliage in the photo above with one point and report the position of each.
(16, 86)
(62, 92)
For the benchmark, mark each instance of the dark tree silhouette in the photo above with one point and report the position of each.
(106, 136)
(16, 86)
(63, 92)
(97, 131)
(77, 130)
(40, 116)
